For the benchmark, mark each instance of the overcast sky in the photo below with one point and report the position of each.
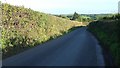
(68, 6)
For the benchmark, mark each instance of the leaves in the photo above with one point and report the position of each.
(24, 28)
(108, 32)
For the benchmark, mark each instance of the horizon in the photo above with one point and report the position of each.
(68, 6)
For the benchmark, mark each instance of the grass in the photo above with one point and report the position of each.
(24, 28)
(108, 35)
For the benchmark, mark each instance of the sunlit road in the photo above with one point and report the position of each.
(78, 48)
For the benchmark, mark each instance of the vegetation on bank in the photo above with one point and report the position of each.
(23, 28)
(107, 29)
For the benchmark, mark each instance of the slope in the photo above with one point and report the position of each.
(23, 28)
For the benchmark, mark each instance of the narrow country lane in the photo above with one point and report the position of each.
(78, 48)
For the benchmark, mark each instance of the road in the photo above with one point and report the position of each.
(78, 48)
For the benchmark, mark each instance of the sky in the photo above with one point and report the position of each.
(68, 6)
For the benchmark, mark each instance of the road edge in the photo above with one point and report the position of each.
(109, 60)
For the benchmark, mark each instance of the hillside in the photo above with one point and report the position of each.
(23, 28)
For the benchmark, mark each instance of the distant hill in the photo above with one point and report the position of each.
(93, 16)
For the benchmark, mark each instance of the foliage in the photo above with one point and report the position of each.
(24, 28)
(108, 31)
(75, 16)
(84, 19)
(62, 16)
(81, 18)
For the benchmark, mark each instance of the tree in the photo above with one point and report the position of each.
(75, 16)
(117, 16)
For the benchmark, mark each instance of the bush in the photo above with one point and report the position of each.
(109, 34)
(24, 28)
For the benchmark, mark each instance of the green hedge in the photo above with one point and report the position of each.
(108, 32)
